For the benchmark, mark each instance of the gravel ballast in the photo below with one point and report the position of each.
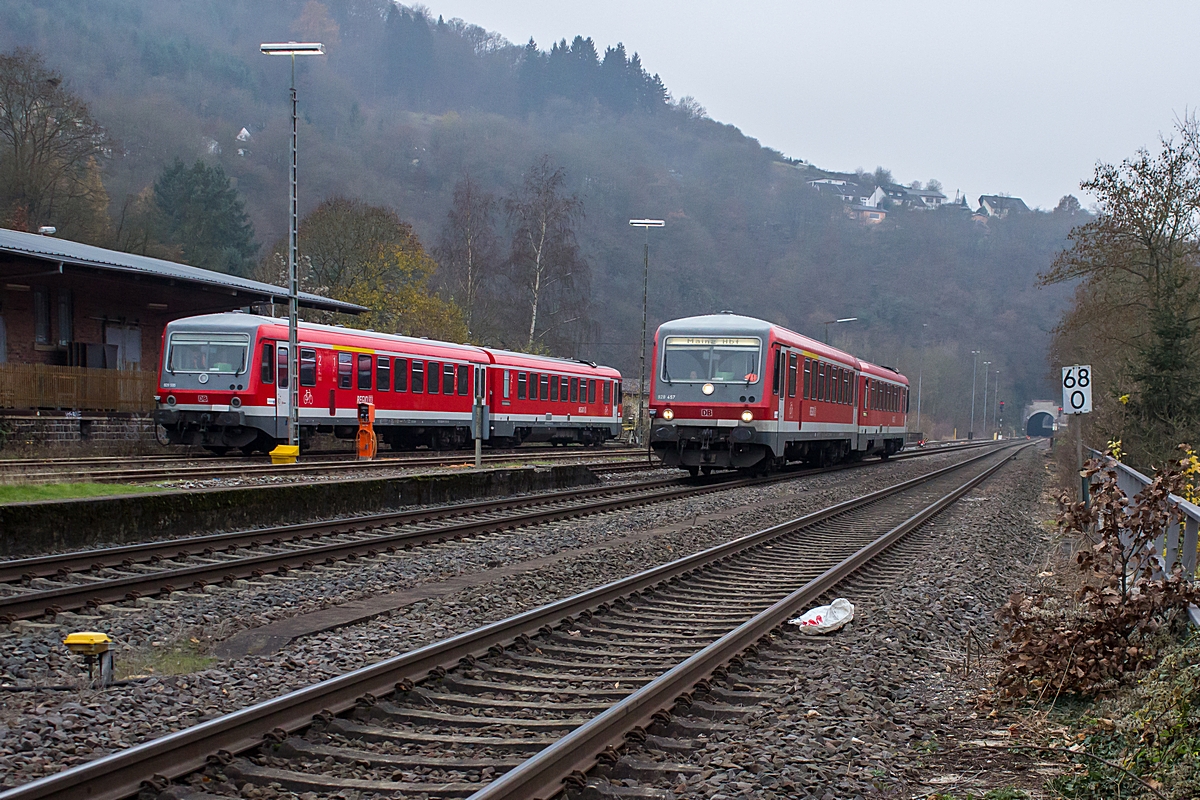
(45, 731)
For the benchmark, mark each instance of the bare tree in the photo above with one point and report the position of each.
(49, 145)
(468, 254)
(545, 264)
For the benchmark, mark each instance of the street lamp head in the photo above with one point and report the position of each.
(647, 223)
(292, 48)
(846, 319)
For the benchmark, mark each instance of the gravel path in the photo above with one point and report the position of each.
(44, 731)
(861, 712)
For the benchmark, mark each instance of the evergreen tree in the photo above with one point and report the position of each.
(198, 211)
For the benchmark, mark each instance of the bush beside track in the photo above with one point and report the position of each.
(41, 527)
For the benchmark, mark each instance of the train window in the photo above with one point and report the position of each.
(281, 365)
(464, 379)
(844, 384)
(907, 395)
(506, 384)
(793, 360)
(807, 379)
(545, 387)
(383, 374)
(521, 379)
(364, 372)
(401, 375)
(268, 363)
(778, 371)
(433, 375)
(447, 379)
(607, 392)
(566, 388)
(533, 386)
(308, 367)
(591, 390)
(820, 381)
(554, 387)
(574, 390)
(345, 370)
(418, 376)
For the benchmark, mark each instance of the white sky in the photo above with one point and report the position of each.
(1011, 96)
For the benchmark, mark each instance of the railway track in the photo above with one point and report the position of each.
(512, 709)
(135, 471)
(49, 585)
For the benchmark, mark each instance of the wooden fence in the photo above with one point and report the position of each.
(37, 386)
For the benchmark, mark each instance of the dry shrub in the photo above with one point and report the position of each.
(1127, 596)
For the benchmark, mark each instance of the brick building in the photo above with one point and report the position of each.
(81, 326)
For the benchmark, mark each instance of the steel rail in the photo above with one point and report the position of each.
(542, 775)
(122, 774)
(28, 605)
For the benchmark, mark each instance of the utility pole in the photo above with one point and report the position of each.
(974, 370)
(986, 364)
(643, 391)
(921, 373)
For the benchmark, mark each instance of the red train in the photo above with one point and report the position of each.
(224, 384)
(729, 391)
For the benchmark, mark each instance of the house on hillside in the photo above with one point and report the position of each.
(868, 215)
(999, 207)
(849, 192)
(924, 198)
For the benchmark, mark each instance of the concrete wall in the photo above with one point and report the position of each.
(36, 528)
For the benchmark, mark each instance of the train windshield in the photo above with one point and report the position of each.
(222, 353)
(708, 359)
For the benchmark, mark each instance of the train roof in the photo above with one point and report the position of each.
(550, 363)
(878, 371)
(249, 323)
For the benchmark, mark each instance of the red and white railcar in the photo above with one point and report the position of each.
(729, 391)
(224, 383)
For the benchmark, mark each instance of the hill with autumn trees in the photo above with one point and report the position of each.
(452, 146)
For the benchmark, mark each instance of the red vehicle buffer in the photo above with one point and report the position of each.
(735, 392)
(225, 377)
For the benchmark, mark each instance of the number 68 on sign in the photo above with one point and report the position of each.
(1077, 389)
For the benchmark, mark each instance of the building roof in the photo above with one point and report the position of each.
(1001, 203)
(68, 253)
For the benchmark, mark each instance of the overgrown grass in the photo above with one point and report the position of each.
(1007, 793)
(24, 493)
(170, 658)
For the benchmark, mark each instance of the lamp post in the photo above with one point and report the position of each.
(974, 370)
(996, 404)
(647, 224)
(293, 49)
(835, 322)
(986, 364)
(921, 373)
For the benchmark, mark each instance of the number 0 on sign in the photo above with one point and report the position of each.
(1077, 389)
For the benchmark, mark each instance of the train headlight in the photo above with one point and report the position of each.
(236, 402)
(170, 399)
(708, 388)
(668, 414)
(747, 415)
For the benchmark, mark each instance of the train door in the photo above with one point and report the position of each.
(283, 399)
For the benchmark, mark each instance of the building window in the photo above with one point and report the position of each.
(66, 319)
(41, 316)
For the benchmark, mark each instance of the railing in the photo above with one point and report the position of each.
(38, 386)
(1172, 551)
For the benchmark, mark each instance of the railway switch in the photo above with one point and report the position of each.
(94, 647)
(368, 444)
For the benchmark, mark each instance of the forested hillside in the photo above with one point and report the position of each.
(406, 107)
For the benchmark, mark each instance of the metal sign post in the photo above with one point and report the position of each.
(1077, 400)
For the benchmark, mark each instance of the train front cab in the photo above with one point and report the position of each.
(709, 399)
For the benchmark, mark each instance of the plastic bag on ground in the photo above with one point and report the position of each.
(824, 619)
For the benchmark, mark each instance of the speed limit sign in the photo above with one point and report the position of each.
(1077, 389)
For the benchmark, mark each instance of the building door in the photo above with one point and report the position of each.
(128, 341)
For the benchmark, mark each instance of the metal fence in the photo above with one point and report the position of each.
(38, 386)
(1179, 543)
